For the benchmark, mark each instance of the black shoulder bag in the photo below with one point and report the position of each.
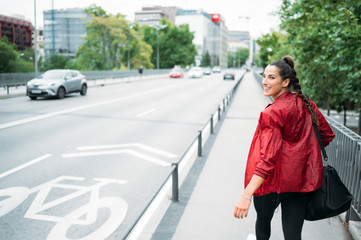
(333, 198)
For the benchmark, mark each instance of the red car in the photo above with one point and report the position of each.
(176, 73)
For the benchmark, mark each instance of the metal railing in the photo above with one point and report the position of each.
(344, 154)
(198, 142)
(8, 80)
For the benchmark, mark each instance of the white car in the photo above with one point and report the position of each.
(195, 72)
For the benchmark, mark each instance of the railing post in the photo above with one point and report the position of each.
(211, 123)
(175, 189)
(219, 112)
(200, 143)
(7, 89)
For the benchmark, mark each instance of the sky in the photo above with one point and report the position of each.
(256, 16)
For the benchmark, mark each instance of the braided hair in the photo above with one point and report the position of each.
(287, 70)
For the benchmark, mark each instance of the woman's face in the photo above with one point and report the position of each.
(273, 85)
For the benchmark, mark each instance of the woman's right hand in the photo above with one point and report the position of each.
(242, 207)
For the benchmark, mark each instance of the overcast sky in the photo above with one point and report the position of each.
(260, 22)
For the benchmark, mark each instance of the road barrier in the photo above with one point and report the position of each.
(344, 154)
(8, 80)
(208, 129)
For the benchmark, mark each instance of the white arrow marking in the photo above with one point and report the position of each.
(128, 151)
(129, 145)
(145, 113)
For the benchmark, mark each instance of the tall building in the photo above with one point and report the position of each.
(64, 31)
(238, 39)
(17, 31)
(152, 15)
(210, 34)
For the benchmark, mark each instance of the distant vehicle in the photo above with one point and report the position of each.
(176, 73)
(216, 69)
(229, 74)
(195, 72)
(57, 83)
(207, 71)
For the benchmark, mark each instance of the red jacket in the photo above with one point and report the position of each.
(285, 150)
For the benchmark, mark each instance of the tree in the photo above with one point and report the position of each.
(175, 44)
(54, 61)
(238, 58)
(326, 37)
(109, 41)
(206, 60)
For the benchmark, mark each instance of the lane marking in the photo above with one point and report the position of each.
(24, 165)
(52, 114)
(128, 151)
(128, 145)
(146, 112)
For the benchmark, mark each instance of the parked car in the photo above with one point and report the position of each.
(195, 72)
(229, 74)
(176, 73)
(216, 69)
(207, 71)
(57, 83)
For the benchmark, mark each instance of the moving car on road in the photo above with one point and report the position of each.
(57, 83)
(176, 73)
(216, 69)
(207, 71)
(229, 74)
(195, 72)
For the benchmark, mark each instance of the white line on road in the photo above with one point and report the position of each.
(128, 151)
(145, 113)
(129, 145)
(24, 165)
(52, 114)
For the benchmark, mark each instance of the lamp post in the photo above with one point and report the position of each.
(35, 41)
(158, 27)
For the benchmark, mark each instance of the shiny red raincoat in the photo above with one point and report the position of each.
(285, 150)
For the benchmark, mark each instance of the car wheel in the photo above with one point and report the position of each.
(33, 98)
(61, 93)
(83, 90)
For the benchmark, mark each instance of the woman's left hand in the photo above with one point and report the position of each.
(242, 207)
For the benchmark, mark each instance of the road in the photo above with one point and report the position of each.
(86, 166)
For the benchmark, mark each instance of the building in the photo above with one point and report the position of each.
(17, 31)
(64, 31)
(152, 15)
(210, 34)
(238, 39)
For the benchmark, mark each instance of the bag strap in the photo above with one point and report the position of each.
(317, 133)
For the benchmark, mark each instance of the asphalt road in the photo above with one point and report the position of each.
(84, 167)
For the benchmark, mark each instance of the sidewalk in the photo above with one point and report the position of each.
(215, 182)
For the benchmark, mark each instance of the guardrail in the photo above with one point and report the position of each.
(344, 154)
(8, 80)
(198, 143)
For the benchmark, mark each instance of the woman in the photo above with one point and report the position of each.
(284, 163)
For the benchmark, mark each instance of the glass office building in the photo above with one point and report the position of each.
(64, 31)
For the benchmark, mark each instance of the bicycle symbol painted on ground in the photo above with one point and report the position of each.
(87, 214)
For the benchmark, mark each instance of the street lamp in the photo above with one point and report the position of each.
(158, 27)
(35, 41)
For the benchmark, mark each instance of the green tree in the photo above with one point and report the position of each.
(325, 37)
(54, 61)
(175, 44)
(238, 58)
(273, 46)
(108, 43)
(206, 60)
(8, 55)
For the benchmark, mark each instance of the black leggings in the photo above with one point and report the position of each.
(293, 206)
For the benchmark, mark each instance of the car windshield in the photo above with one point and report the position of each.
(52, 75)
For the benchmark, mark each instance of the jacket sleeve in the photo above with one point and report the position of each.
(271, 141)
(326, 132)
